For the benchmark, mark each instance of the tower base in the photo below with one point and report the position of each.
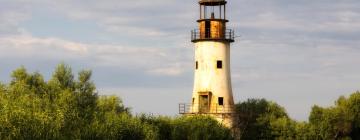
(228, 120)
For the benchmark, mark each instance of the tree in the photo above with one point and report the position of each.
(63, 78)
(62, 108)
(354, 110)
(262, 119)
(69, 108)
(337, 122)
(199, 128)
(86, 95)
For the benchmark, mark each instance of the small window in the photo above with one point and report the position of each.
(219, 64)
(193, 100)
(196, 65)
(221, 101)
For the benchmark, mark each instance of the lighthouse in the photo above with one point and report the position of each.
(212, 93)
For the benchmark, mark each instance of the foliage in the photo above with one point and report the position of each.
(199, 127)
(68, 107)
(337, 122)
(187, 128)
(262, 119)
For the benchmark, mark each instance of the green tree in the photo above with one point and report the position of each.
(262, 119)
(69, 108)
(162, 126)
(199, 128)
(354, 110)
(86, 95)
(337, 122)
(63, 78)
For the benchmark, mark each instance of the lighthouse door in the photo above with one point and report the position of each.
(204, 103)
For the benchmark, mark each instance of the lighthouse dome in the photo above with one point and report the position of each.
(211, 0)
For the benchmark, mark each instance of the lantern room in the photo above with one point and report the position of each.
(212, 22)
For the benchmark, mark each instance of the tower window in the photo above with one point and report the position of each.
(219, 64)
(196, 65)
(221, 100)
(193, 100)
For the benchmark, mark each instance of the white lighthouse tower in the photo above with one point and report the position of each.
(212, 93)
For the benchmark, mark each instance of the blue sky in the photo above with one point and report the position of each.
(296, 53)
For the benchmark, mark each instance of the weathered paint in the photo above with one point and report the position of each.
(213, 81)
(217, 29)
(212, 44)
(202, 29)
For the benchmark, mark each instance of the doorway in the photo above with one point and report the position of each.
(204, 103)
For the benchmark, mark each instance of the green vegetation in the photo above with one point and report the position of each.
(68, 107)
(261, 119)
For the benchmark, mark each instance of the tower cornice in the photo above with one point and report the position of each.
(212, 2)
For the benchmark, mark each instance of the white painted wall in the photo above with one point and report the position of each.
(208, 78)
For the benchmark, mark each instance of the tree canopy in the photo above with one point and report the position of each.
(68, 107)
(262, 119)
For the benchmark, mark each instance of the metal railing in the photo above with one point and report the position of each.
(228, 35)
(210, 109)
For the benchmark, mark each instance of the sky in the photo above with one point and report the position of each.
(296, 53)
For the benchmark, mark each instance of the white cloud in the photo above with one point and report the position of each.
(137, 18)
(135, 31)
(151, 60)
(27, 44)
(268, 20)
(301, 16)
(174, 69)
